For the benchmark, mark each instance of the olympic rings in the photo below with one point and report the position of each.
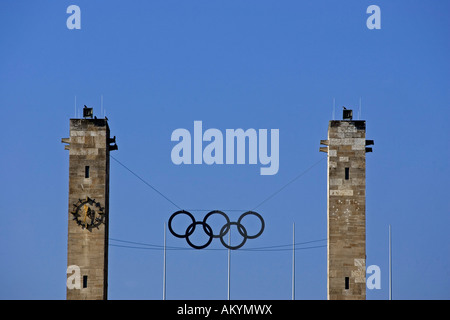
(243, 234)
(222, 233)
(187, 233)
(192, 226)
(210, 233)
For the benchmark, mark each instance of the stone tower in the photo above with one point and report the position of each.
(88, 214)
(346, 207)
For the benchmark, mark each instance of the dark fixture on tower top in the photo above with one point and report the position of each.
(347, 114)
(88, 112)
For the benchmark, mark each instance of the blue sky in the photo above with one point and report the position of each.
(161, 65)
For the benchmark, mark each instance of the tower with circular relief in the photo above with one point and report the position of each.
(89, 145)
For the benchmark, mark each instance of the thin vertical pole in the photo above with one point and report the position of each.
(390, 263)
(164, 265)
(293, 261)
(359, 113)
(229, 264)
(334, 104)
(75, 106)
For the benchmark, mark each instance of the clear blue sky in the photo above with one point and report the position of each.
(161, 65)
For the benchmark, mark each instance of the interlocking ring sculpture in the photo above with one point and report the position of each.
(209, 232)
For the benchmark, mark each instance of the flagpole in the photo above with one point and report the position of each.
(390, 263)
(229, 263)
(164, 265)
(293, 261)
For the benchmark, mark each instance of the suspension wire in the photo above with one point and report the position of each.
(287, 184)
(217, 249)
(149, 246)
(260, 204)
(267, 248)
(205, 210)
(148, 184)
(288, 249)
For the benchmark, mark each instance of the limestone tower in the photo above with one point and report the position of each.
(88, 214)
(346, 207)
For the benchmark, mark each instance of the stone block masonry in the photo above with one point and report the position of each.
(87, 247)
(346, 207)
